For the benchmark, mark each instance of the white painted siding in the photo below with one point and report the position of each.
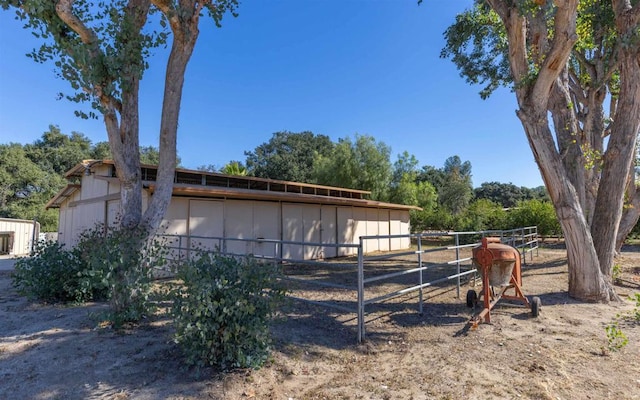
(292, 230)
(383, 229)
(360, 226)
(371, 245)
(266, 225)
(17, 236)
(238, 224)
(113, 213)
(175, 223)
(206, 219)
(328, 230)
(345, 226)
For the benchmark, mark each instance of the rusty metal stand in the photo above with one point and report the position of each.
(490, 253)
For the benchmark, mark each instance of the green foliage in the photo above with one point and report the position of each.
(484, 215)
(234, 168)
(636, 310)
(536, 212)
(122, 260)
(407, 189)
(31, 174)
(56, 152)
(288, 156)
(615, 336)
(616, 270)
(477, 44)
(508, 194)
(221, 311)
(114, 266)
(438, 219)
(151, 155)
(456, 191)
(364, 164)
(24, 187)
(53, 274)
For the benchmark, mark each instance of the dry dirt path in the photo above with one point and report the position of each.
(59, 352)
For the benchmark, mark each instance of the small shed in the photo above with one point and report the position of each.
(18, 236)
(248, 209)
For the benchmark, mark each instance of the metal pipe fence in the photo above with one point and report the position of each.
(364, 279)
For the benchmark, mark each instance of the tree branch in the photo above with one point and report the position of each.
(564, 38)
(515, 26)
(64, 10)
(625, 13)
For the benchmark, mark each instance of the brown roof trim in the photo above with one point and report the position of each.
(248, 194)
(61, 196)
(82, 167)
(235, 188)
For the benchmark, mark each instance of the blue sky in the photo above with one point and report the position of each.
(333, 67)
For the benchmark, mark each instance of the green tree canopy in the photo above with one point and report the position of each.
(25, 187)
(364, 164)
(58, 152)
(508, 194)
(234, 168)
(288, 156)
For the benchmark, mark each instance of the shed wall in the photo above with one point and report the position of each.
(17, 236)
(242, 220)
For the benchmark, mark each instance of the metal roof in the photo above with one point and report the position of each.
(209, 184)
(61, 196)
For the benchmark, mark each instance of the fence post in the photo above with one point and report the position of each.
(361, 332)
(458, 265)
(420, 278)
(524, 246)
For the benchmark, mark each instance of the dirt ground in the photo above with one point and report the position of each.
(61, 352)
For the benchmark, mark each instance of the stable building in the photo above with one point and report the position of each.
(243, 215)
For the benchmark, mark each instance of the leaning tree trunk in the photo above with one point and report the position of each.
(585, 280)
(184, 25)
(568, 138)
(621, 149)
(551, 54)
(125, 147)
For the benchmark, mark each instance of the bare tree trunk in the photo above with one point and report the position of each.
(174, 81)
(585, 280)
(184, 25)
(569, 139)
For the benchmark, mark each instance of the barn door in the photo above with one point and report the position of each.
(206, 224)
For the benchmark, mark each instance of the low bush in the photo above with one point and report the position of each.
(222, 309)
(114, 266)
(50, 274)
(121, 262)
(616, 337)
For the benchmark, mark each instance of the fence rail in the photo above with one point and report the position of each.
(367, 284)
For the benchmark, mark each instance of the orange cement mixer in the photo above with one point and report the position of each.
(499, 265)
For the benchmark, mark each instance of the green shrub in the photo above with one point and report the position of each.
(538, 213)
(616, 338)
(121, 262)
(114, 266)
(483, 215)
(53, 274)
(222, 309)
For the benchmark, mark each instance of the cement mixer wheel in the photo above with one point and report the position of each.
(536, 305)
(472, 298)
